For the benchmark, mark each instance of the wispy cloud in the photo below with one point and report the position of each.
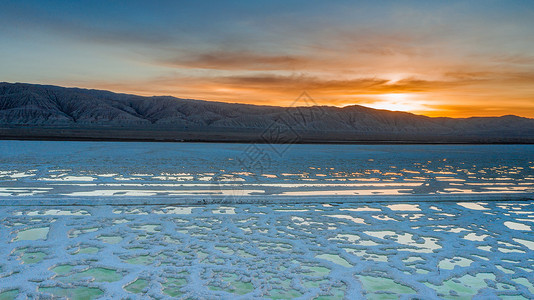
(235, 60)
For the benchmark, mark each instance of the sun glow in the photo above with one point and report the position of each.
(396, 102)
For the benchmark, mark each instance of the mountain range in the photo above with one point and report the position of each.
(31, 111)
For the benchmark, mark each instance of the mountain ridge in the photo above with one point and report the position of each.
(33, 111)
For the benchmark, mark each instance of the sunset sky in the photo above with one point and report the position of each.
(437, 58)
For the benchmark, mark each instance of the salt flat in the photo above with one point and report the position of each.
(88, 220)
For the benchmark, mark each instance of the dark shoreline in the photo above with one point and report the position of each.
(215, 141)
(245, 136)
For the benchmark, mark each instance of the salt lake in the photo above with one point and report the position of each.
(107, 220)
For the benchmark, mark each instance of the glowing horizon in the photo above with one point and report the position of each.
(453, 58)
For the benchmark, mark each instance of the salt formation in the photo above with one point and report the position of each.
(270, 251)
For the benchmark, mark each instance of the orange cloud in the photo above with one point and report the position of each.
(463, 95)
(347, 68)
